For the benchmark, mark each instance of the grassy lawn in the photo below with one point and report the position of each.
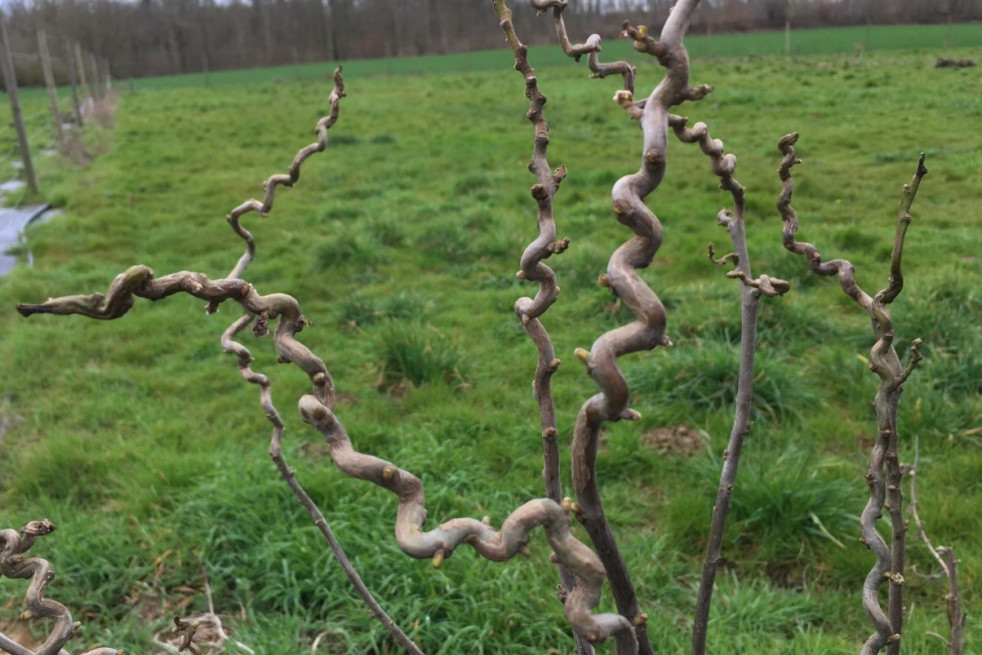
(138, 438)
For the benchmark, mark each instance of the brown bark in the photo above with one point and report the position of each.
(884, 474)
(13, 564)
(723, 165)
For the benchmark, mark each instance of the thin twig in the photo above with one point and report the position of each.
(723, 166)
(945, 557)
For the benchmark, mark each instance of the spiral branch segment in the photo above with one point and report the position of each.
(496, 545)
(591, 47)
(13, 564)
(884, 474)
(288, 180)
(139, 282)
(648, 330)
(534, 268)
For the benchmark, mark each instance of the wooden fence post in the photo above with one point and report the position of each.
(83, 78)
(73, 80)
(49, 81)
(98, 90)
(10, 80)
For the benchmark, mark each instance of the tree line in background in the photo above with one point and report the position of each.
(162, 37)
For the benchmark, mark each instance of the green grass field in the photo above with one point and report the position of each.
(139, 439)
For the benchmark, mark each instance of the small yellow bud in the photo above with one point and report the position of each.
(438, 559)
(582, 355)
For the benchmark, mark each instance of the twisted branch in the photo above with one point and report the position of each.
(534, 269)
(723, 165)
(591, 47)
(884, 361)
(244, 359)
(496, 545)
(622, 278)
(13, 545)
(138, 281)
(288, 180)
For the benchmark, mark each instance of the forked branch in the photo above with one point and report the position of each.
(591, 47)
(723, 166)
(884, 475)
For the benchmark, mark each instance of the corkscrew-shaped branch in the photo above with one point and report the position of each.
(591, 47)
(288, 180)
(244, 358)
(496, 545)
(534, 269)
(884, 361)
(622, 278)
(13, 564)
(723, 166)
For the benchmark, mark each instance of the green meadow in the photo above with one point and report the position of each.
(140, 441)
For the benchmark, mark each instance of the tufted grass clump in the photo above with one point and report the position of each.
(416, 353)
